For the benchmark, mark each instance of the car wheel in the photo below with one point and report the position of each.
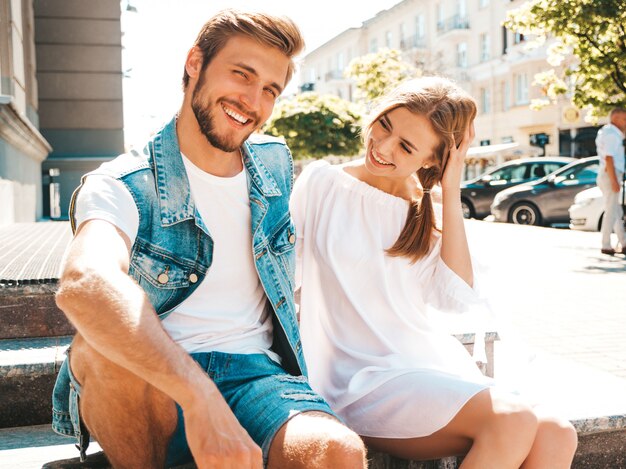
(525, 214)
(467, 208)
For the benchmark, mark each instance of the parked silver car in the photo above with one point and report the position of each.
(477, 194)
(548, 199)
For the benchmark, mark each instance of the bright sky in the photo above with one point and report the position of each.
(157, 37)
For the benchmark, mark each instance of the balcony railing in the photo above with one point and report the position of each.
(453, 23)
(333, 75)
(413, 42)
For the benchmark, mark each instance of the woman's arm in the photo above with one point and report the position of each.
(454, 249)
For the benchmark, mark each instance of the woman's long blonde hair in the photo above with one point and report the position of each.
(450, 110)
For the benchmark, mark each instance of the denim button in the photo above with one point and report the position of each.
(193, 278)
(163, 278)
(292, 238)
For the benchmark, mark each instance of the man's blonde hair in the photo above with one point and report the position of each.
(273, 31)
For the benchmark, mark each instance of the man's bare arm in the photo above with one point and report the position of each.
(113, 314)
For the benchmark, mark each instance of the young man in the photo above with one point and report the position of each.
(179, 281)
(610, 144)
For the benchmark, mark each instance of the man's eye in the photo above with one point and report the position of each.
(240, 73)
(271, 92)
(383, 124)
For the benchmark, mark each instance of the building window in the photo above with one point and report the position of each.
(484, 47)
(518, 38)
(420, 26)
(521, 88)
(485, 100)
(483, 3)
(312, 75)
(401, 32)
(374, 45)
(340, 63)
(506, 96)
(440, 17)
(461, 9)
(461, 55)
(505, 40)
(388, 39)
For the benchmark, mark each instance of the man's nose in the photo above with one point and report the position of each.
(251, 98)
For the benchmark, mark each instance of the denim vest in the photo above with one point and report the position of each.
(173, 249)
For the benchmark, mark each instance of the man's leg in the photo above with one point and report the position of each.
(316, 440)
(131, 420)
(618, 227)
(609, 199)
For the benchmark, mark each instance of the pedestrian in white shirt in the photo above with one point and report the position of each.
(610, 144)
(373, 261)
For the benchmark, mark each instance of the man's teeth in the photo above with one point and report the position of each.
(378, 160)
(238, 117)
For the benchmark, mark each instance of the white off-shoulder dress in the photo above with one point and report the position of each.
(371, 346)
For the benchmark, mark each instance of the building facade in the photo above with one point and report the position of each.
(60, 100)
(463, 40)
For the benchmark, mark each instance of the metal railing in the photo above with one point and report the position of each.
(413, 42)
(333, 75)
(453, 23)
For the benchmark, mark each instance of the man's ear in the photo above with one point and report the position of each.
(193, 63)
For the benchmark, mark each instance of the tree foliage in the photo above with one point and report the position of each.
(588, 52)
(317, 125)
(378, 73)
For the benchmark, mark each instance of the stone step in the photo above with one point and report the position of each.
(30, 311)
(39, 447)
(591, 399)
(28, 369)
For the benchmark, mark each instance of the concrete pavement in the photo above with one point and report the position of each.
(556, 291)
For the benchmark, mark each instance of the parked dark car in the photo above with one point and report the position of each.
(477, 194)
(548, 199)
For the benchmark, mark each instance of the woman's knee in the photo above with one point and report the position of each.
(560, 434)
(512, 416)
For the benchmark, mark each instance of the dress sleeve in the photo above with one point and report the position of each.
(106, 198)
(447, 291)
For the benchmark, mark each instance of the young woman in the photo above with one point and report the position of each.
(374, 262)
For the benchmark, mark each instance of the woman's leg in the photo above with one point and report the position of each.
(494, 430)
(554, 445)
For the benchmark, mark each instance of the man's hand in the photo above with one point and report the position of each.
(216, 438)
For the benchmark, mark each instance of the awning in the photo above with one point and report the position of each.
(502, 150)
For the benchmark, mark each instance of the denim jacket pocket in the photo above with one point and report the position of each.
(284, 238)
(282, 246)
(162, 276)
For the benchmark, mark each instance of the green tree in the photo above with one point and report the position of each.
(317, 125)
(588, 51)
(377, 73)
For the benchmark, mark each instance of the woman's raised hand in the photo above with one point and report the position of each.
(453, 171)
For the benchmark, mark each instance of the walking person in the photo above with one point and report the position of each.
(179, 281)
(610, 145)
(373, 261)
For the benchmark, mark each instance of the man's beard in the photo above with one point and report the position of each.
(205, 117)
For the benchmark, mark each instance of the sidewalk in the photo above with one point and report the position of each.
(556, 291)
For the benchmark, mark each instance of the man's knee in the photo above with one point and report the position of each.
(347, 450)
(316, 440)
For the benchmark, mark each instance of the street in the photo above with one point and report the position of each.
(560, 295)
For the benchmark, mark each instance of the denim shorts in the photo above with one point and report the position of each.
(259, 392)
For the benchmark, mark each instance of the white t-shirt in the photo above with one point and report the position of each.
(609, 141)
(226, 312)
